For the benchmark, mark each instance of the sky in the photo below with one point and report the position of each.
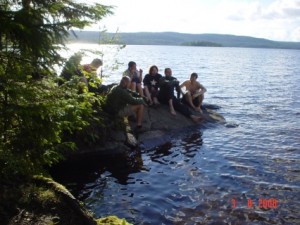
(277, 20)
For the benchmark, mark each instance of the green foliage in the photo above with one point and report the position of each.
(37, 29)
(112, 220)
(35, 112)
(97, 129)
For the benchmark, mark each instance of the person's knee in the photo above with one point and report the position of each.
(187, 97)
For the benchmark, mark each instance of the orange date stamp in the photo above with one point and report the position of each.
(262, 203)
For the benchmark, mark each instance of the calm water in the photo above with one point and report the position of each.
(214, 174)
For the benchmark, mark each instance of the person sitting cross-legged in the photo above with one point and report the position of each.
(166, 96)
(123, 102)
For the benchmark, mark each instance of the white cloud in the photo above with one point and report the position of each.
(272, 19)
(295, 34)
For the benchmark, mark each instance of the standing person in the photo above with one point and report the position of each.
(151, 85)
(194, 94)
(166, 96)
(121, 101)
(136, 77)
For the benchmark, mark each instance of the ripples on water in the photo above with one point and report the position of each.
(201, 174)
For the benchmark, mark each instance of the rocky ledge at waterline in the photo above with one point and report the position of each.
(158, 125)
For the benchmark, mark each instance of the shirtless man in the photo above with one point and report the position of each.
(194, 94)
(167, 97)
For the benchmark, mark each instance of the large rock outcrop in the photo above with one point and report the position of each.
(158, 125)
(44, 201)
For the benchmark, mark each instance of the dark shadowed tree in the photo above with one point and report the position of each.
(34, 110)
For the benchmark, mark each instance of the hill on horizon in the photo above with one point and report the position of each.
(173, 38)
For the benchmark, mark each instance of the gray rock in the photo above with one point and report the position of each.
(158, 125)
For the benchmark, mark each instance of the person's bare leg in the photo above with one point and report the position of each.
(156, 102)
(133, 86)
(201, 97)
(189, 99)
(172, 110)
(200, 100)
(147, 93)
(139, 112)
(139, 89)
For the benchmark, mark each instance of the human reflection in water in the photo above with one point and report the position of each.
(122, 166)
(192, 143)
(186, 143)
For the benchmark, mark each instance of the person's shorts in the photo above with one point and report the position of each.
(126, 111)
(135, 80)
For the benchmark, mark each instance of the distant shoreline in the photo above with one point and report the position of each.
(179, 39)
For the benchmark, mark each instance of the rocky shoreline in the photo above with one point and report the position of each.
(158, 125)
(46, 201)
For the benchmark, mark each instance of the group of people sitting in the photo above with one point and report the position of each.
(129, 97)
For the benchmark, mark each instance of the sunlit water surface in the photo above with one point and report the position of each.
(216, 173)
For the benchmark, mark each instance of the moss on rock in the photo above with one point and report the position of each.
(112, 220)
(44, 201)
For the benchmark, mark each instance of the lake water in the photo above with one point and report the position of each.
(246, 171)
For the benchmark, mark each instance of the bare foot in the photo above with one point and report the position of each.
(150, 103)
(197, 119)
(156, 102)
(198, 109)
(173, 112)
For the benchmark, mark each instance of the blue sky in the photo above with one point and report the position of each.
(271, 19)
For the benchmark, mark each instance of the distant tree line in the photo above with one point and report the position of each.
(173, 38)
(202, 43)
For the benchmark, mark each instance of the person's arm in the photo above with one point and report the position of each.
(174, 82)
(201, 89)
(129, 99)
(181, 86)
(162, 81)
(146, 80)
(140, 74)
(157, 78)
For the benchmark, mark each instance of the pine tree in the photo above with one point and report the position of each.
(34, 110)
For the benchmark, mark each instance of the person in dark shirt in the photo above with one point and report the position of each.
(166, 96)
(151, 85)
(120, 101)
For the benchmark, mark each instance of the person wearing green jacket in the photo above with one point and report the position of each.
(123, 102)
